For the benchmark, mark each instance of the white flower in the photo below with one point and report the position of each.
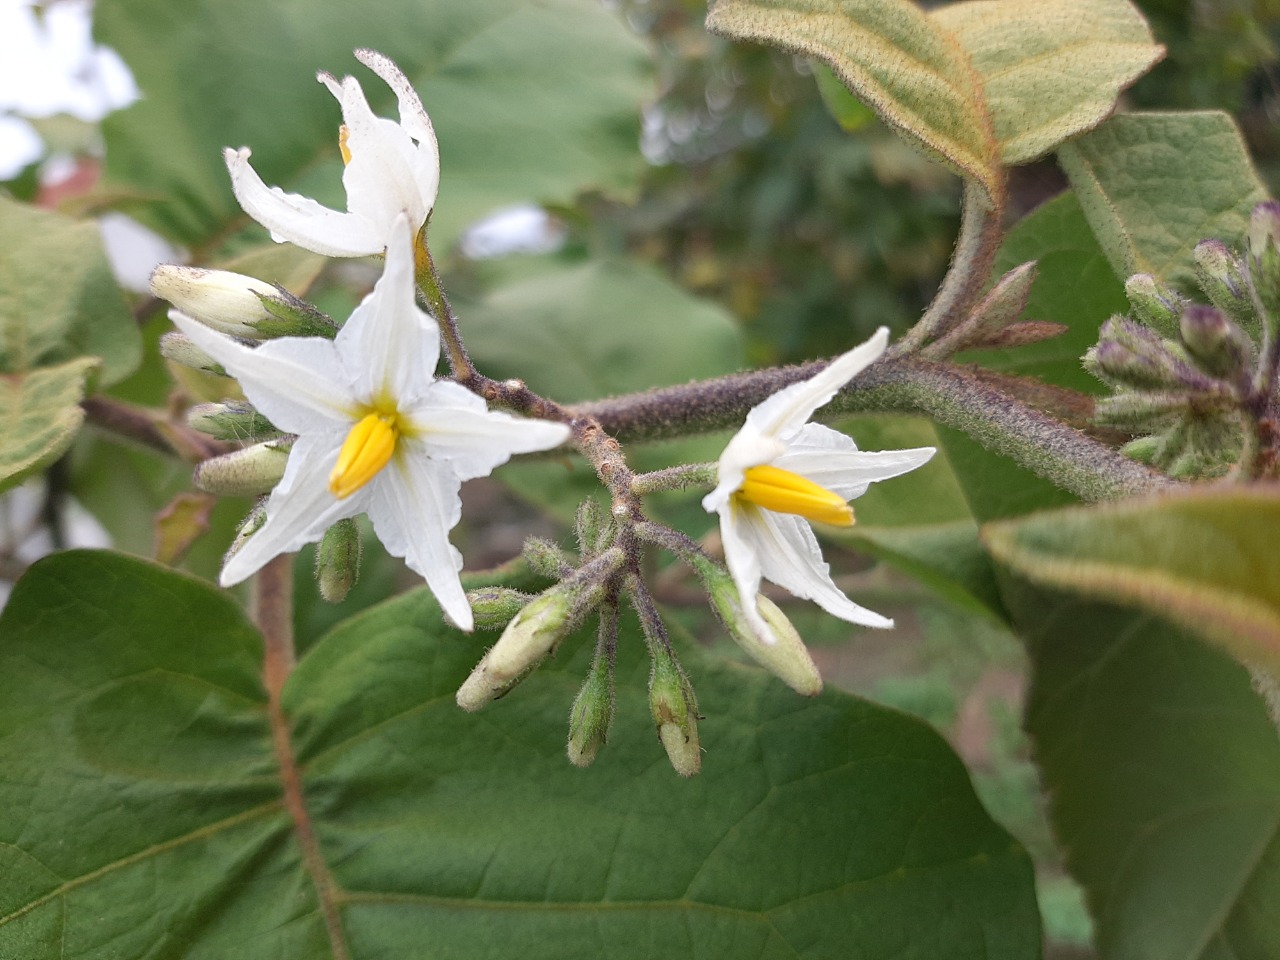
(778, 470)
(391, 168)
(377, 434)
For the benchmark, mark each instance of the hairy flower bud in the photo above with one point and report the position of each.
(493, 607)
(231, 420)
(782, 652)
(1220, 347)
(338, 560)
(1130, 355)
(237, 305)
(592, 714)
(1221, 275)
(592, 527)
(180, 349)
(1155, 304)
(546, 558)
(675, 713)
(1264, 261)
(249, 472)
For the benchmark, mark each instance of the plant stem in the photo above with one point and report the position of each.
(429, 282)
(273, 614)
(144, 427)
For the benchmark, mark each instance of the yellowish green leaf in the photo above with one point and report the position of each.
(39, 416)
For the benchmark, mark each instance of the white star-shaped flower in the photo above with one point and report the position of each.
(391, 168)
(377, 433)
(778, 470)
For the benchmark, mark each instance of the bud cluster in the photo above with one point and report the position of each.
(1191, 380)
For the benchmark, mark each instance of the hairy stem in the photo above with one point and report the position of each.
(144, 427)
(429, 282)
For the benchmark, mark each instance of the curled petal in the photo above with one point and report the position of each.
(299, 219)
(413, 118)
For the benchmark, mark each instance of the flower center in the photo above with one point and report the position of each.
(366, 450)
(343, 133)
(785, 492)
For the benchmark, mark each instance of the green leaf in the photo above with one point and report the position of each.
(586, 330)
(819, 827)
(1163, 773)
(1155, 185)
(851, 113)
(58, 298)
(1205, 560)
(895, 59)
(40, 415)
(1051, 69)
(530, 101)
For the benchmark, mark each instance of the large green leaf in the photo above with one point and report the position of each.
(1051, 69)
(530, 101)
(58, 299)
(142, 815)
(1163, 773)
(1206, 560)
(40, 415)
(902, 64)
(1154, 185)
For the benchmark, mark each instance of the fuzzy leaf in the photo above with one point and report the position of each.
(40, 415)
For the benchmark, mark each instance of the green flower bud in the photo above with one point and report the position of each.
(592, 714)
(290, 316)
(530, 636)
(1142, 449)
(231, 420)
(675, 713)
(181, 349)
(237, 305)
(249, 472)
(1222, 278)
(1220, 347)
(1154, 303)
(1142, 411)
(338, 560)
(546, 558)
(782, 652)
(1264, 261)
(592, 527)
(493, 607)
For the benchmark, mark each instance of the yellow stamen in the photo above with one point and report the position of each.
(366, 450)
(343, 133)
(785, 492)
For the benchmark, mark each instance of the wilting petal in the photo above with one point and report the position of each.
(299, 219)
(832, 460)
(788, 409)
(300, 509)
(297, 383)
(413, 508)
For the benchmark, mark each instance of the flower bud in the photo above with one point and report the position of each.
(592, 714)
(181, 349)
(782, 652)
(228, 302)
(591, 527)
(1222, 278)
(338, 560)
(1130, 355)
(1142, 449)
(546, 558)
(675, 713)
(231, 420)
(1142, 411)
(1220, 347)
(250, 525)
(1154, 303)
(493, 607)
(1264, 260)
(249, 472)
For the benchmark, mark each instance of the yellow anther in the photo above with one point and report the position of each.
(343, 133)
(785, 492)
(366, 450)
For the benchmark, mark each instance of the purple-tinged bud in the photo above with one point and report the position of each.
(338, 560)
(1131, 355)
(1223, 279)
(1218, 345)
(249, 472)
(1154, 303)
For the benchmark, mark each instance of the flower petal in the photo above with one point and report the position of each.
(743, 561)
(300, 509)
(456, 426)
(788, 409)
(746, 449)
(299, 219)
(414, 119)
(789, 556)
(413, 505)
(832, 460)
(388, 347)
(297, 383)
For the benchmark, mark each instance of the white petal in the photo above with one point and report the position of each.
(300, 509)
(743, 561)
(831, 459)
(388, 347)
(380, 178)
(413, 507)
(746, 449)
(787, 410)
(455, 426)
(296, 382)
(414, 119)
(790, 557)
(299, 219)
